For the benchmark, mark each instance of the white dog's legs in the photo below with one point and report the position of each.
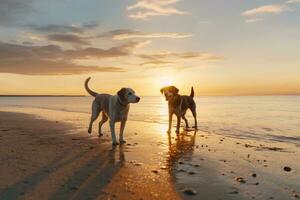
(113, 134)
(103, 120)
(95, 113)
(121, 138)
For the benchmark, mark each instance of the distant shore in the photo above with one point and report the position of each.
(75, 95)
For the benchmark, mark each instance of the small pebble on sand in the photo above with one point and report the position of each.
(240, 179)
(192, 173)
(74, 188)
(189, 191)
(253, 175)
(155, 171)
(287, 169)
(296, 196)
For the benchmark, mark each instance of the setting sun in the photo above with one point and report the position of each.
(165, 81)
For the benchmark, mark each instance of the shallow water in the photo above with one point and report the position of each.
(268, 118)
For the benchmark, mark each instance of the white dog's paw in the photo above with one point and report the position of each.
(122, 141)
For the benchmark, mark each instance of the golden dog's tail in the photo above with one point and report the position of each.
(192, 93)
(91, 92)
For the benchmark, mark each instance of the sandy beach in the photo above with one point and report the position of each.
(49, 155)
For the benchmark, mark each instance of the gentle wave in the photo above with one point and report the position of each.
(273, 119)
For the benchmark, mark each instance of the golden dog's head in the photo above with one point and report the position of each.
(169, 92)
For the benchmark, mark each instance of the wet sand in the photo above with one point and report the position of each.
(48, 155)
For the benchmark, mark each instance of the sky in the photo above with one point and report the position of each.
(220, 47)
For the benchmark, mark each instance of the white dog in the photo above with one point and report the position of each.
(113, 107)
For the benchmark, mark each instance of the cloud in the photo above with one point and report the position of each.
(124, 34)
(63, 28)
(156, 62)
(253, 20)
(173, 59)
(149, 8)
(293, 1)
(68, 38)
(53, 60)
(55, 28)
(268, 9)
(13, 11)
(173, 56)
(72, 34)
(29, 66)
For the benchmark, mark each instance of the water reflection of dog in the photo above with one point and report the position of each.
(181, 146)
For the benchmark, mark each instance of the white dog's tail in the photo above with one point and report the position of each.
(91, 92)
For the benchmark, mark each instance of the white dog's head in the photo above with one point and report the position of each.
(128, 95)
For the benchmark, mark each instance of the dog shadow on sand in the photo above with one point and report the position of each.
(86, 183)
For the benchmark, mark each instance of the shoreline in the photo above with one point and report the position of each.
(150, 165)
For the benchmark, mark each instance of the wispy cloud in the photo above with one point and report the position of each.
(53, 60)
(268, 9)
(149, 8)
(156, 62)
(293, 1)
(176, 60)
(63, 33)
(124, 34)
(63, 28)
(254, 20)
(185, 55)
(68, 38)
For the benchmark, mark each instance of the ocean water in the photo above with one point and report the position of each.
(268, 118)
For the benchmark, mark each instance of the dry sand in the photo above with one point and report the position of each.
(49, 155)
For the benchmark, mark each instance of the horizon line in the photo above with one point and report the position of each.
(78, 95)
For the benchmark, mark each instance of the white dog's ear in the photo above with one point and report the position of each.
(122, 93)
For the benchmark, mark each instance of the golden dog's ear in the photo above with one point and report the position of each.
(121, 93)
(173, 89)
(162, 90)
